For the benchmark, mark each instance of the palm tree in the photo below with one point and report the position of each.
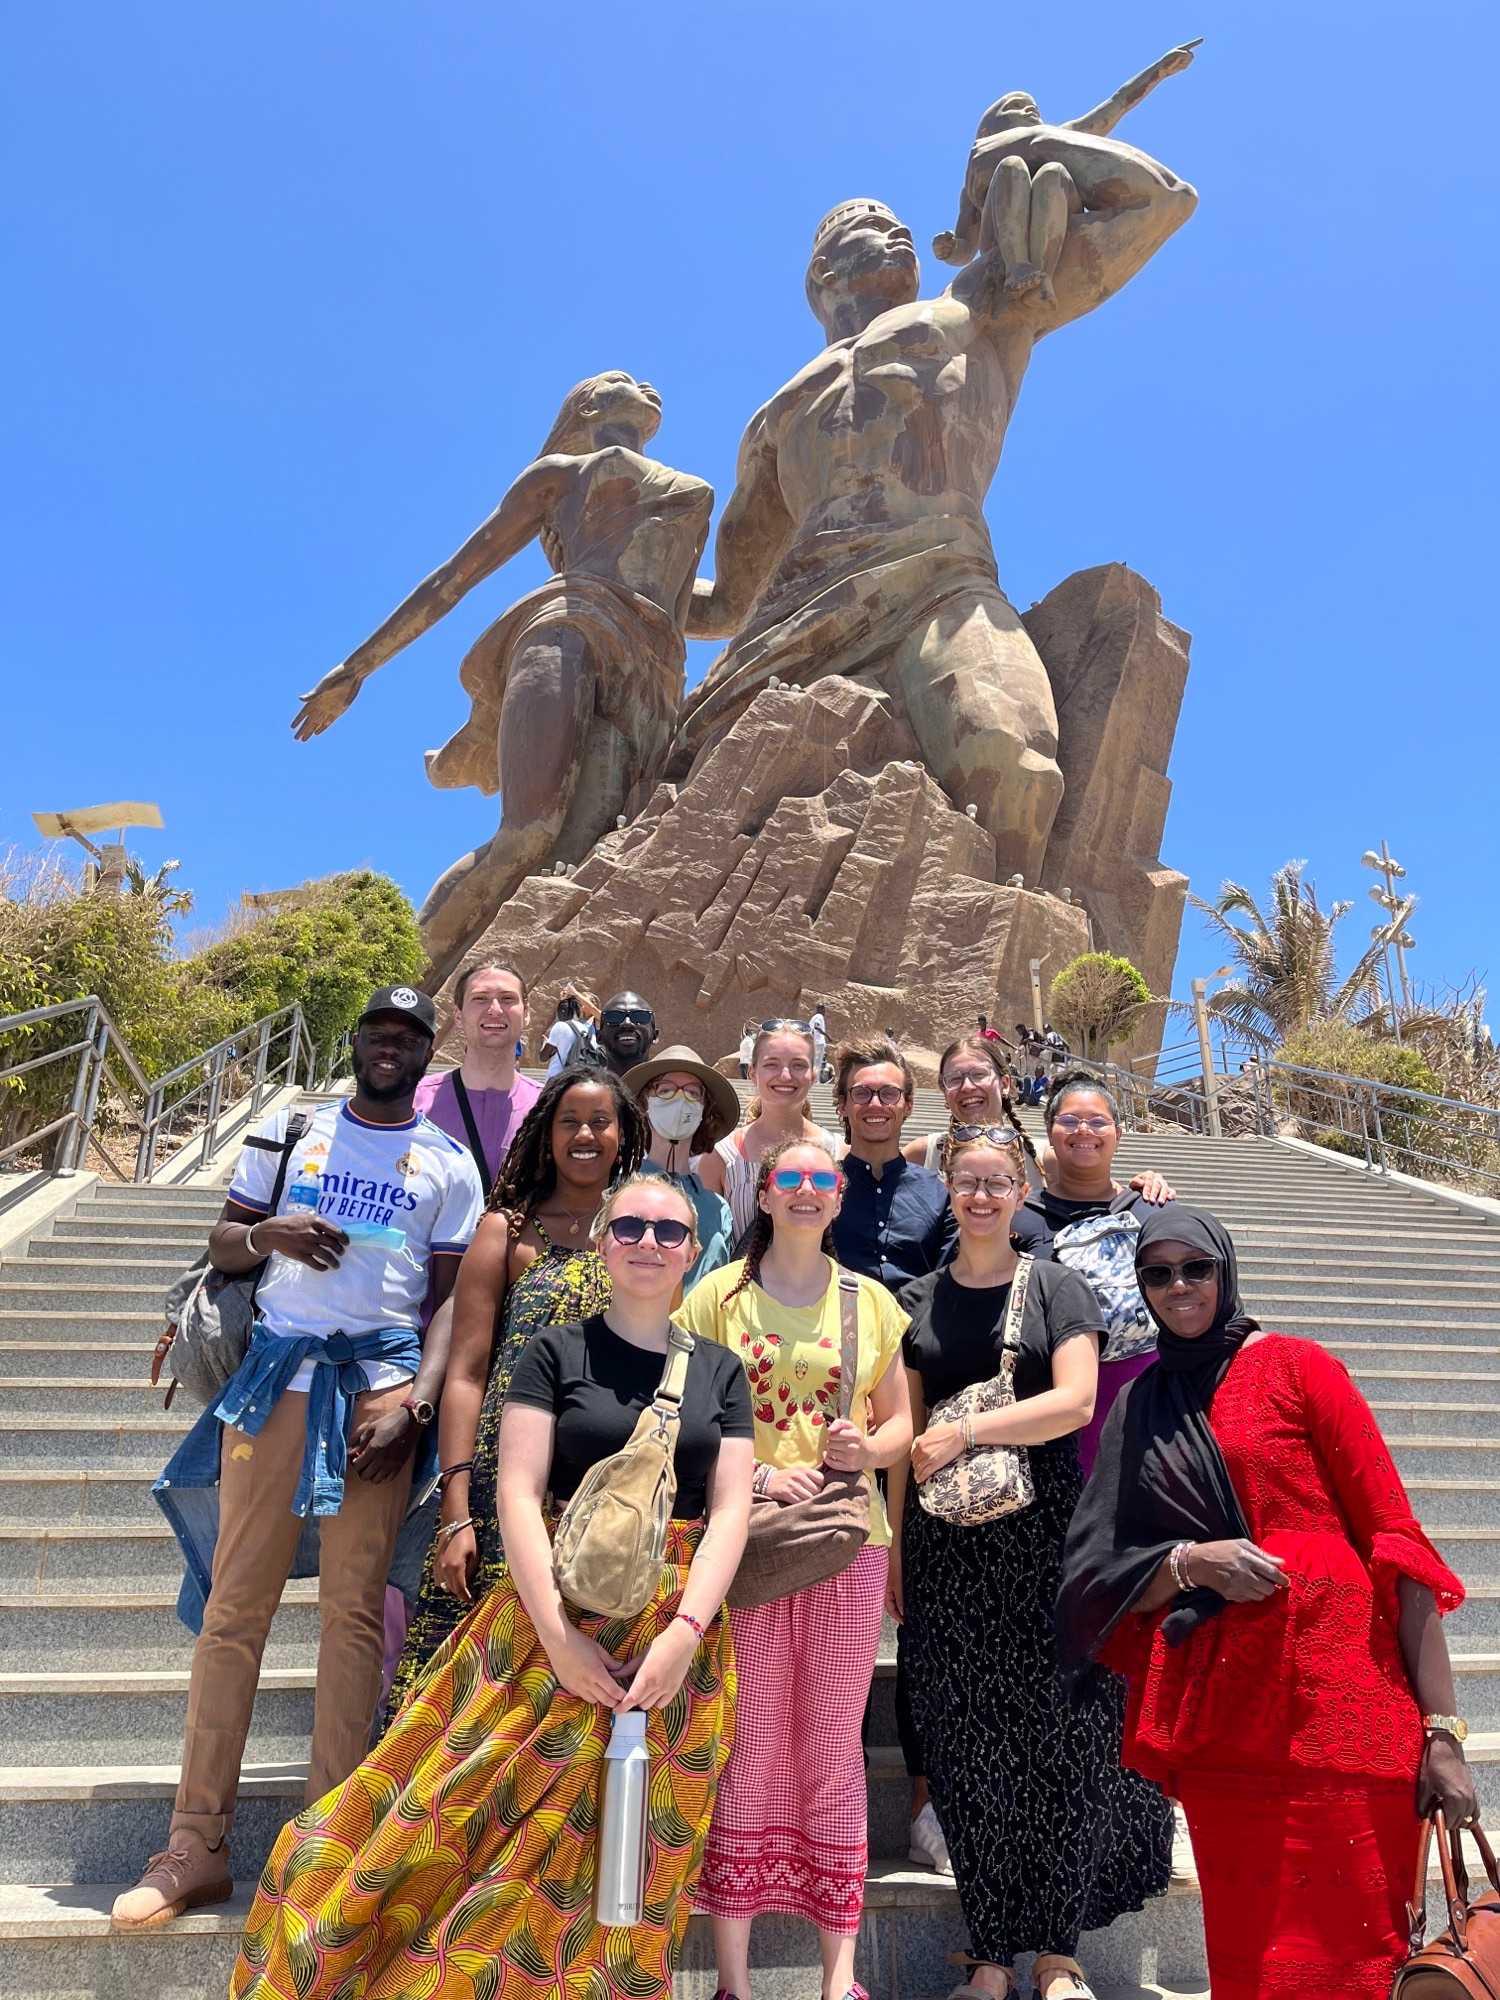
(157, 888)
(1285, 956)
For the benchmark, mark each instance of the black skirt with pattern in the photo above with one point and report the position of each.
(1049, 1836)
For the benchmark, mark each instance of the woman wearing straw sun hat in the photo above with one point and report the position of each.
(690, 1107)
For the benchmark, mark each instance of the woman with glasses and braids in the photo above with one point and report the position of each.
(1084, 1218)
(1048, 1837)
(790, 1827)
(783, 1069)
(973, 1078)
(461, 1856)
(531, 1264)
(1245, 1554)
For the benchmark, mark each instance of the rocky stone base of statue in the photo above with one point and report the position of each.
(808, 857)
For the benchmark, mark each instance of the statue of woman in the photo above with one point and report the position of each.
(575, 690)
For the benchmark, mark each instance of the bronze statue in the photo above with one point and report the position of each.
(576, 689)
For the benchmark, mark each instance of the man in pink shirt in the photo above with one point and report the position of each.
(483, 1101)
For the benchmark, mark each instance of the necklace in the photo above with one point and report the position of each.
(575, 1220)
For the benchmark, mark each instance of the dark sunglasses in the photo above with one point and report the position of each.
(1192, 1270)
(634, 1017)
(798, 1027)
(668, 1231)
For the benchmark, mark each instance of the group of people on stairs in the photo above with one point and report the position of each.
(1205, 1585)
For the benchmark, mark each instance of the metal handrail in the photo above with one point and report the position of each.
(100, 1041)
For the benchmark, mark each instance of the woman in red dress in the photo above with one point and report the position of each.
(1246, 1556)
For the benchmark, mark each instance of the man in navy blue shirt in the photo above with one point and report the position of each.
(895, 1223)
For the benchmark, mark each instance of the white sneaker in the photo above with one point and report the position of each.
(928, 1847)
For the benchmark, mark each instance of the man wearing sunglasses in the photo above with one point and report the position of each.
(627, 1031)
(895, 1223)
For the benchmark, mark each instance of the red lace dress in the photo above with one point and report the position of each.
(1288, 1729)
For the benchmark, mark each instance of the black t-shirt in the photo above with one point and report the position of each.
(957, 1331)
(1041, 1215)
(597, 1384)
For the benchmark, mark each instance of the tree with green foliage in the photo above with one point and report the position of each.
(343, 937)
(1096, 1000)
(1285, 956)
(1337, 1115)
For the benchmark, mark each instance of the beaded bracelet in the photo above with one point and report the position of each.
(689, 1620)
(761, 1479)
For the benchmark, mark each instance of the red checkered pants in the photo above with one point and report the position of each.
(790, 1826)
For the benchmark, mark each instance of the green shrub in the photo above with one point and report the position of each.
(1096, 999)
(349, 935)
(1339, 1116)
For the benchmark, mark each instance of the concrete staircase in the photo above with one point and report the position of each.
(1403, 1285)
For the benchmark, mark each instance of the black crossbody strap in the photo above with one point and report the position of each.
(296, 1125)
(476, 1144)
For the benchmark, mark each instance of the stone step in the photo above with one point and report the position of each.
(1333, 1326)
(56, 1944)
(1465, 1461)
(1431, 1353)
(46, 1288)
(76, 1629)
(1410, 1418)
(44, 1496)
(1475, 1550)
(154, 1200)
(1465, 1498)
(56, 1328)
(153, 1247)
(95, 1398)
(116, 1557)
(98, 1360)
(66, 1718)
(1327, 1306)
(1311, 1231)
(52, 1443)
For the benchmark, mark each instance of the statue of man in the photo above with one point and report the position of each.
(855, 541)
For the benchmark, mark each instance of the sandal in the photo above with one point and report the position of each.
(1077, 1987)
(966, 1990)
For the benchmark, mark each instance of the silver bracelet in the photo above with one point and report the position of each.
(250, 1240)
(1177, 1564)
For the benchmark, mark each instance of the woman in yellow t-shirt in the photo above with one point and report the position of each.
(790, 1823)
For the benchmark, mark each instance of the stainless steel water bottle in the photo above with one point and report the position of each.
(620, 1885)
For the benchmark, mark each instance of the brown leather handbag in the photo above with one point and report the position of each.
(1465, 1960)
(807, 1541)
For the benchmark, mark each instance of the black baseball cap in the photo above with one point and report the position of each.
(407, 1001)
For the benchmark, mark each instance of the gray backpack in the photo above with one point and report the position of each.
(210, 1313)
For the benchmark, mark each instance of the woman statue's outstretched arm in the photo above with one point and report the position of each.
(515, 522)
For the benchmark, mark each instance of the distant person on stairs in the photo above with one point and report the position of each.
(481, 1103)
(1246, 1556)
(323, 1417)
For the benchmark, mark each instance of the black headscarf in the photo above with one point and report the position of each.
(1160, 1477)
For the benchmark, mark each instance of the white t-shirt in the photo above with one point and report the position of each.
(410, 1177)
(560, 1037)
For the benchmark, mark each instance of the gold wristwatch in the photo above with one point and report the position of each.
(1446, 1725)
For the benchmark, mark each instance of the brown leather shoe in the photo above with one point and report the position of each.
(187, 1875)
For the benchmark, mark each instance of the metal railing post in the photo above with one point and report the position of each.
(262, 1058)
(72, 1143)
(215, 1095)
(1379, 1130)
(99, 1038)
(145, 1152)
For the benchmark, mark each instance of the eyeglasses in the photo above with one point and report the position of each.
(1001, 1134)
(633, 1017)
(822, 1180)
(668, 1093)
(1192, 1271)
(1065, 1121)
(877, 1093)
(999, 1185)
(668, 1231)
(796, 1027)
(957, 1078)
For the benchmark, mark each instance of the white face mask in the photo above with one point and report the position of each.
(675, 1118)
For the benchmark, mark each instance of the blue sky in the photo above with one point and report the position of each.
(296, 290)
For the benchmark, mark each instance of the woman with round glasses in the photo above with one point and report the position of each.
(467, 1840)
(790, 1827)
(689, 1108)
(1245, 1554)
(1085, 1218)
(972, 1077)
(1047, 1835)
(783, 1071)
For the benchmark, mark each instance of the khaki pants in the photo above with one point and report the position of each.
(258, 1535)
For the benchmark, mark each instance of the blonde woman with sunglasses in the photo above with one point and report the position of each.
(790, 1825)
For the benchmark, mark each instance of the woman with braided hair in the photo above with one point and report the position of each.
(531, 1264)
(790, 1823)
